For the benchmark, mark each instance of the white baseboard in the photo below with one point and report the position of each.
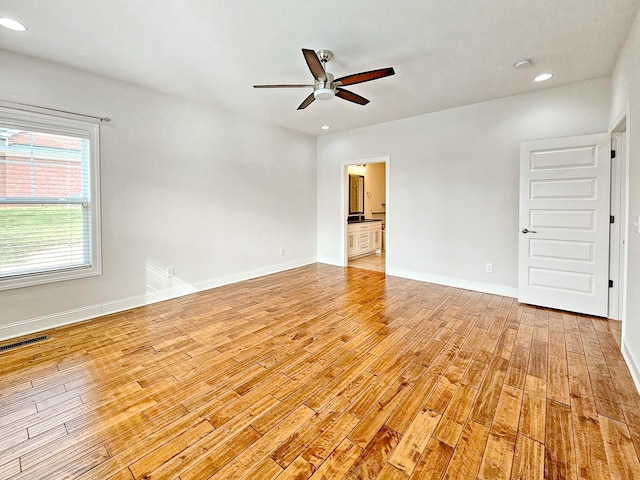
(177, 289)
(331, 261)
(632, 363)
(456, 282)
(38, 324)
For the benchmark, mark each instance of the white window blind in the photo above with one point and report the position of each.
(49, 216)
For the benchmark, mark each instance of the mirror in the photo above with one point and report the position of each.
(356, 194)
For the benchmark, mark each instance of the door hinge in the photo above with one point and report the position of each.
(613, 154)
(610, 283)
(612, 219)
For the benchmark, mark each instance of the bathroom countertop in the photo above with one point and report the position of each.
(366, 220)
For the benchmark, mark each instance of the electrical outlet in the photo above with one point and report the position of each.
(282, 252)
(170, 272)
(489, 267)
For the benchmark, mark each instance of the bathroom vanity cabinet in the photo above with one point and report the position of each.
(363, 238)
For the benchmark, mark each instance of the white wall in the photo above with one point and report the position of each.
(452, 205)
(626, 99)
(210, 193)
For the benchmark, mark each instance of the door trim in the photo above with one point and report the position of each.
(618, 251)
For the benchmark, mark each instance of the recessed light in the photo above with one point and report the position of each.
(12, 24)
(325, 127)
(542, 77)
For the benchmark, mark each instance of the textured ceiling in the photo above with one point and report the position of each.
(446, 53)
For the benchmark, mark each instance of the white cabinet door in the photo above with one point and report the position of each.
(352, 242)
(375, 238)
(564, 223)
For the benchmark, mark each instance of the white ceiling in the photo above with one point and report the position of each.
(446, 53)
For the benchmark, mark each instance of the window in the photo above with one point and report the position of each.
(49, 199)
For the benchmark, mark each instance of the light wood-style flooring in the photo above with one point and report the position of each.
(323, 372)
(375, 262)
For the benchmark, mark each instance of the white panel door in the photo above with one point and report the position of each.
(564, 223)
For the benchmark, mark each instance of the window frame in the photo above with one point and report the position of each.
(33, 121)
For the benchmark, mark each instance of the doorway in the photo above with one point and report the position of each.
(365, 214)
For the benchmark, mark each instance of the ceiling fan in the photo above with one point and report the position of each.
(325, 85)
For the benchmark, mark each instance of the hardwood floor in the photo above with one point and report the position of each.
(323, 372)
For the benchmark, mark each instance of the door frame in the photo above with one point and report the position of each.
(344, 209)
(619, 229)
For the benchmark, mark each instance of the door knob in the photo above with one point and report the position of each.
(526, 230)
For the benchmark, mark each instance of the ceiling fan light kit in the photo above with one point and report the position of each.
(324, 93)
(325, 85)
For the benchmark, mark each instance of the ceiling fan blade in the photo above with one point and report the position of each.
(314, 64)
(296, 85)
(364, 76)
(307, 101)
(350, 96)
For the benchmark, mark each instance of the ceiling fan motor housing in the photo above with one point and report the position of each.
(324, 90)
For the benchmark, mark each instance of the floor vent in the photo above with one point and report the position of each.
(23, 342)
